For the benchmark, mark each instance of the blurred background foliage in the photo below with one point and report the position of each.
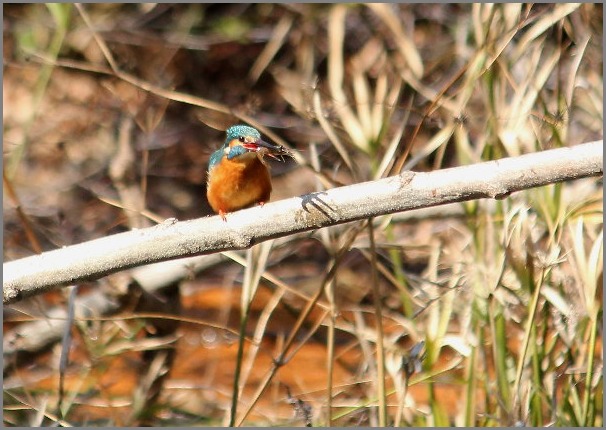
(490, 311)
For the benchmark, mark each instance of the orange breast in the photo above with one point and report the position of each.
(237, 184)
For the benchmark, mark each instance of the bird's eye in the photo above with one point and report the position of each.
(242, 139)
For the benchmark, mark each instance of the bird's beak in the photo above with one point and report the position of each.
(254, 146)
(271, 149)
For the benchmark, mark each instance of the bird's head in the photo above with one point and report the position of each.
(244, 142)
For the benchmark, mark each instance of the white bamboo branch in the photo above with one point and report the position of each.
(410, 190)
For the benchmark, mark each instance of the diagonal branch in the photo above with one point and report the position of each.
(410, 190)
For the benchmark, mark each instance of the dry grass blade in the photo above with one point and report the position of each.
(330, 132)
(271, 49)
(362, 103)
(389, 156)
(588, 268)
(257, 337)
(440, 139)
(572, 81)
(330, 350)
(519, 382)
(41, 411)
(255, 266)
(283, 358)
(380, 346)
(147, 86)
(276, 280)
(525, 98)
(383, 105)
(385, 102)
(66, 344)
(256, 261)
(145, 390)
(132, 196)
(405, 44)
(430, 93)
(480, 13)
(336, 76)
(548, 20)
(157, 219)
(23, 217)
(100, 42)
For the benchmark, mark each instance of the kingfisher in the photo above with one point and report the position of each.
(238, 176)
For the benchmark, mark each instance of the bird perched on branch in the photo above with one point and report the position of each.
(238, 176)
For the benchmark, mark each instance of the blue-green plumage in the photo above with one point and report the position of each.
(233, 132)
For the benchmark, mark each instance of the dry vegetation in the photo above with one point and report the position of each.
(490, 311)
